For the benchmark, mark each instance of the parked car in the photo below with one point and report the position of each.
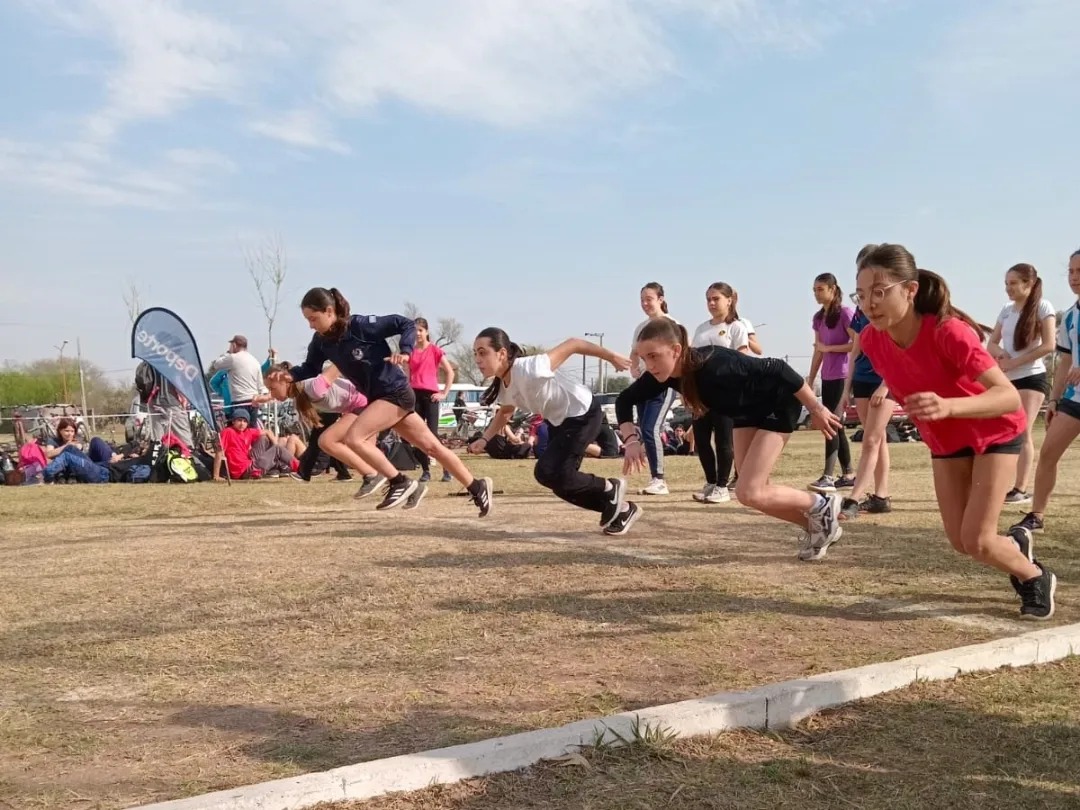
(851, 416)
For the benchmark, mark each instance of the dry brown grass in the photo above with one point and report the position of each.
(165, 641)
(1008, 739)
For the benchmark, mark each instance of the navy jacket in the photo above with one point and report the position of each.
(360, 354)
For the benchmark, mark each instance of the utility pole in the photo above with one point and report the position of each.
(600, 363)
(82, 385)
(63, 370)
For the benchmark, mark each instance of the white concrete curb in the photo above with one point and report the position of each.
(776, 706)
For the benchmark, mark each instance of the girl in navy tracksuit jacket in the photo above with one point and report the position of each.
(357, 345)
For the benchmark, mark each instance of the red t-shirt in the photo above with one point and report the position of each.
(236, 447)
(946, 359)
(424, 368)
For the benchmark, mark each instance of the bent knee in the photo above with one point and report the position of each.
(977, 545)
(749, 493)
(545, 475)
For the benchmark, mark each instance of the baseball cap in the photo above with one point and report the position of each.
(240, 341)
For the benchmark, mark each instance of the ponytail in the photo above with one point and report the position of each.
(1027, 325)
(304, 407)
(933, 298)
(668, 331)
(499, 340)
(657, 288)
(830, 314)
(322, 299)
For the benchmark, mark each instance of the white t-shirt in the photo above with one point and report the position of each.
(1068, 338)
(727, 335)
(536, 388)
(1007, 320)
(637, 331)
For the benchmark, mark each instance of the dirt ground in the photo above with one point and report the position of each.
(165, 641)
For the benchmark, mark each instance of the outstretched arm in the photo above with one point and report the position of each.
(561, 353)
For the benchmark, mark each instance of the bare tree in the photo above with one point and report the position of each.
(410, 310)
(464, 364)
(267, 265)
(132, 300)
(450, 332)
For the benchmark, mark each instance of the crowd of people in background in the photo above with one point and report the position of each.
(973, 392)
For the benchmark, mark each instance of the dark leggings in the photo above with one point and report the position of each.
(428, 410)
(837, 447)
(311, 456)
(717, 465)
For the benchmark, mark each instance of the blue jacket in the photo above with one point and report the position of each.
(361, 353)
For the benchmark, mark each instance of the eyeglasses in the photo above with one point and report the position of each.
(877, 295)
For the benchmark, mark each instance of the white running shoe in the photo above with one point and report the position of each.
(824, 529)
(706, 491)
(718, 495)
(658, 486)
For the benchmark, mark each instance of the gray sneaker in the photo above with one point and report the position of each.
(824, 529)
(826, 485)
(372, 484)
(417, 495)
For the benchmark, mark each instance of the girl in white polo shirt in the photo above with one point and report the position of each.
(1022, 337)
(532, 384)
(724, 329)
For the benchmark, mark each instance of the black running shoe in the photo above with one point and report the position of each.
(1037, 595)
(398, 493)
(482, 496)
(1032, 522)
(875, 505)
(614, 504)
(417, 495)
(627, 518)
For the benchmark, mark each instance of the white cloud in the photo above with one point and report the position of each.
(292, 70)
(1006, 46)
(304, 128)
(164, 185)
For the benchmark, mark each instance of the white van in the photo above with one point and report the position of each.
(471, 394)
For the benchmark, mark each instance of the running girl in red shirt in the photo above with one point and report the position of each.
(932, 358)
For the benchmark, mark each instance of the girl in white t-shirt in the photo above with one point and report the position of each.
(532, 384)
(1022, 337)
(751, 335)
(724, 329)
(652, 414)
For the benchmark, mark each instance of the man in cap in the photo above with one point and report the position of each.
(245, 373)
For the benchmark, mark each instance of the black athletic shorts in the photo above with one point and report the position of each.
(404, 398)
(783, 419)
(1069, 408)
(865, 390)
(1036, 382)
(1009, 448)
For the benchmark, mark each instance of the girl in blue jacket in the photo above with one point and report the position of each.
(357, 345)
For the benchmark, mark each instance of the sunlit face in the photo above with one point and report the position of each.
(661, 358)
(278, 388)
(489, 362)
(1015, 287)
(321, 320)
(422, 334)
(651, 302)
(719, 304)
(883, 300)
(1074, 275)
(824, 293)
(67, 434)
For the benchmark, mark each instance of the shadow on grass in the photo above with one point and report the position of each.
(656, 610)
(927, 754)
(313, 744)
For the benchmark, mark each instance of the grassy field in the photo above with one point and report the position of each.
(1008, 739)
(163, 641)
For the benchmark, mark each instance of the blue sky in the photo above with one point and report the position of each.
(523, 164)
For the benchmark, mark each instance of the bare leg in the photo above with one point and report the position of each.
(332, 441)
(1032, 401)
(415, 431)
(1061, 433)
(378, 416)
(874, 460)
(756, 453)
(970, 494)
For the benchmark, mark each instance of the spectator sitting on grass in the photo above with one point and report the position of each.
(253, 452)
(66, 459)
